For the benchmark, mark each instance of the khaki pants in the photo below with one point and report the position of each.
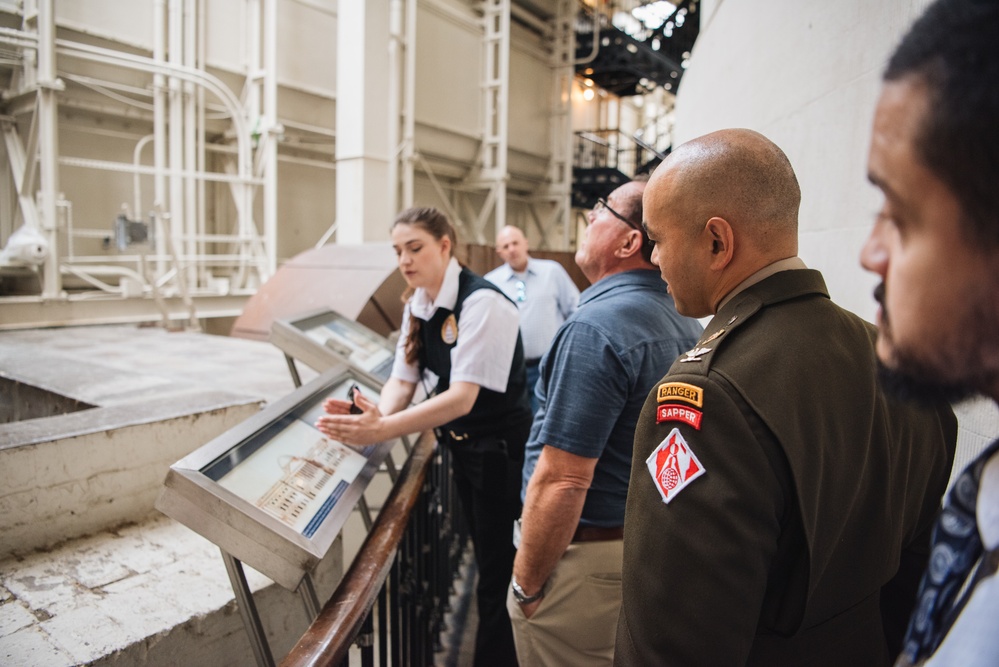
(576, 622)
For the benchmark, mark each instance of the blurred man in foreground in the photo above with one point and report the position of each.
(935, 156)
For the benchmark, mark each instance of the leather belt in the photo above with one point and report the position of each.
(598, 533)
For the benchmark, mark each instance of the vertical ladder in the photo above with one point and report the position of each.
(496, 89)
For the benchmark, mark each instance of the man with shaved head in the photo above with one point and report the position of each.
(544, 294)
(780, 504)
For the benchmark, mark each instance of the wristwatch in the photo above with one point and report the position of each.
(521, 596)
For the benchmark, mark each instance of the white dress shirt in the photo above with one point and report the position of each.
(487, 334)
(545, 295)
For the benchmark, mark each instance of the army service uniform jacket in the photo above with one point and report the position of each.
(776, 493)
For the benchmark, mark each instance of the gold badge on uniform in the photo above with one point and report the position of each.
(712, 337)
(449, 330)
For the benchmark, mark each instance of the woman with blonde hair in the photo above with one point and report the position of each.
(463, 329)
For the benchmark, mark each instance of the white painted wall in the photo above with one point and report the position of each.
(806, 73)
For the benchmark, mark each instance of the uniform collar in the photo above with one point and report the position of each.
(447, 296)
(779, 286)
(764, 273)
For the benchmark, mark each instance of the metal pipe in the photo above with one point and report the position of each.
(174, 207)
(141, 63)
(107, 165)
(201, 164)
(159, 124)
(136, 181)
(271, 130)
(190, 139)
(396, 45)
(318, 7)
(409, 108)
(595, 50)
(48, 144)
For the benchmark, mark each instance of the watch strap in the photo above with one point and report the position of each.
(521, 596)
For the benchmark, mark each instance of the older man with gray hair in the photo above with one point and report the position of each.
(544, 294)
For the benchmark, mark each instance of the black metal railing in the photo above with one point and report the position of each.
(606, 159)
(613, 149)
(629, 57)
(391, 603)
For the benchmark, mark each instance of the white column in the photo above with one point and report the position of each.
(362, 150)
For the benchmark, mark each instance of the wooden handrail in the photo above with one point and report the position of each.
(329, 638)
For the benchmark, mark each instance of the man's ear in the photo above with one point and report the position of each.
(719, 233)
(633, 244)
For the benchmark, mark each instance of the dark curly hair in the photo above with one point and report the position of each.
(954, 49)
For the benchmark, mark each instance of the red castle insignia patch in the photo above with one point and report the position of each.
(673, 465)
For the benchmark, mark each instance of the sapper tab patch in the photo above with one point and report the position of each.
(673, 466)
(671, 412)
(680, 391)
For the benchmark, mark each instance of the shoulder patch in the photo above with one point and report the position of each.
(671, 412)
(680, 391)
(673, 466)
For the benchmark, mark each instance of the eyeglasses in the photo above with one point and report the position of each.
(602, 204)
(521, 291)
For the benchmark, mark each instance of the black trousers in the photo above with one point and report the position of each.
(488, 481)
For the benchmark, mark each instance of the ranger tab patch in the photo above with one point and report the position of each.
(671, 412)
(673, 466)
(680, 391)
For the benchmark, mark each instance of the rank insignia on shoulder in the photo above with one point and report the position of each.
(673, 466)
(449, 330)
(695, 354)
(680, 391)
(671, 412)
(712, 337)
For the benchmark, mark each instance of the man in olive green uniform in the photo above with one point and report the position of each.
(779, 505)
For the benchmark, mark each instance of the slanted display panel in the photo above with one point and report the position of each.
(274, 492)
(322, 338)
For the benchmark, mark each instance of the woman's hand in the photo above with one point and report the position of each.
(339, 424)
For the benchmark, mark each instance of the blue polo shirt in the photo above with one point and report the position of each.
(602, 364)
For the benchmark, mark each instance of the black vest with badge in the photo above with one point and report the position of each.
(493, 412)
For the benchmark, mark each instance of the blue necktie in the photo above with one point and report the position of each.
(956, 547)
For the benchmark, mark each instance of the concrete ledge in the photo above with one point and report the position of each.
(64, 487)
(153, 593)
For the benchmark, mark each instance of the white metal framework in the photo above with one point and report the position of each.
(181, 257)
(196, 187)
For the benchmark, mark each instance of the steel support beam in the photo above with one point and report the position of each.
(28, 312)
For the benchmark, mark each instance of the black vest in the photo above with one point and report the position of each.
(493, 412)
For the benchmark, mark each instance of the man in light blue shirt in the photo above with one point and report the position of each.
(542, 290)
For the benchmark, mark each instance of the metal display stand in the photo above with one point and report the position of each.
(323, 338)
(274, 493)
